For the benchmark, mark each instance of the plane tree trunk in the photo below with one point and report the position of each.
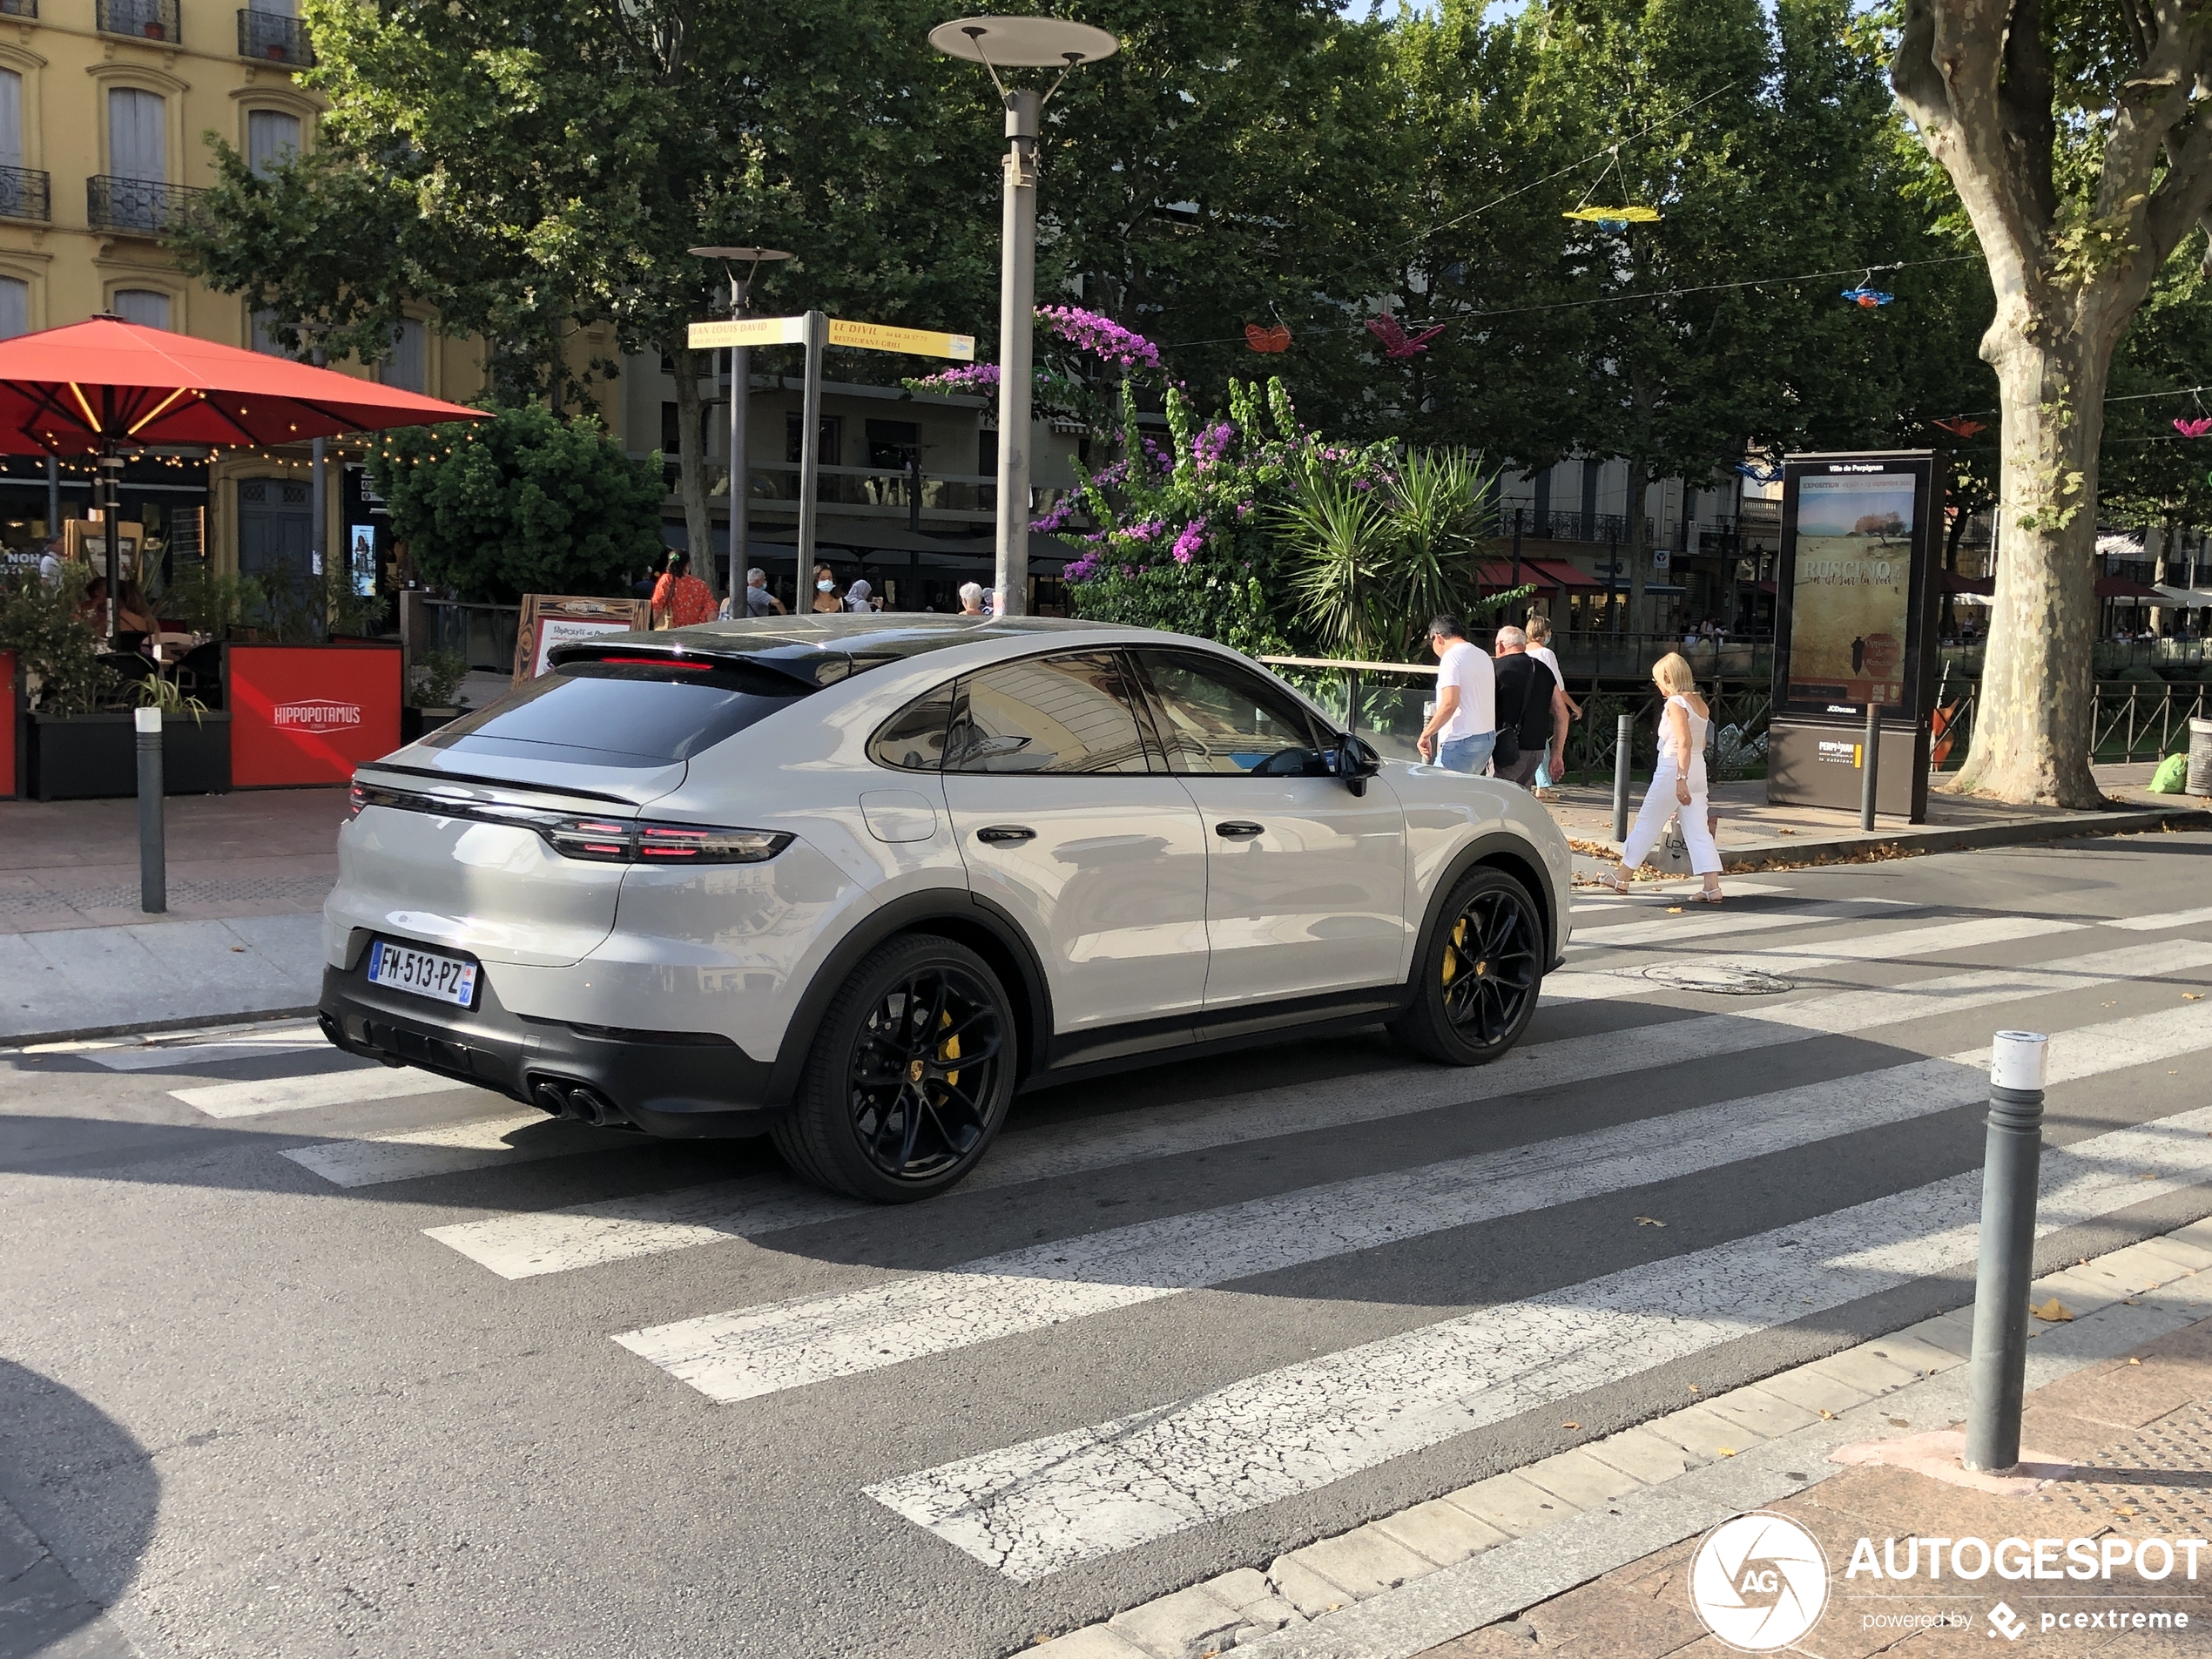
(2070, 268)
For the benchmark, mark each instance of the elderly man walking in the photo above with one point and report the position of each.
(1532, 706)
(1459, 732)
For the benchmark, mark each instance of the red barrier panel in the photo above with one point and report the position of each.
(7, 725)
(309, 714)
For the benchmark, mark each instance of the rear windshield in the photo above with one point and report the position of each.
(623, 714)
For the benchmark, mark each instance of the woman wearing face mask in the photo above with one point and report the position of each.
(824, 590)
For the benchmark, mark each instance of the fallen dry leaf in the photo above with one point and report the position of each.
(2133, 1361)
(2187, 996)
(1693, 1388)
(1570, 1425)
(1725, 1451)
(2052, 1312)
(1830, 1415)
(1650, 1221)
(2127, 1509)
(2146, 1176)
(1784, 832)
(1674, 910)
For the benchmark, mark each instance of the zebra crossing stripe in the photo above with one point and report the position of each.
(757, 1351)
(323, 1089)
(1664, 929)
(588, 1235)
(2171, 919)
(1584, 986)
(167, 1051)
(1596, 901)
(1038, 1508)
(451, 1149)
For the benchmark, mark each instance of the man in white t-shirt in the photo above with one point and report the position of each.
(1462, 728)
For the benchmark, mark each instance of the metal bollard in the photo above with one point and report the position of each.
(1624, 733)
(153, 872)
(2011, 1163)
(1870, 772)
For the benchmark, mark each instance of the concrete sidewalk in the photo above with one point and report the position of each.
(247, 874)
(1753, 835)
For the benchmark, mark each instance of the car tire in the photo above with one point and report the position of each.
(1476, 985)
(896, 1103)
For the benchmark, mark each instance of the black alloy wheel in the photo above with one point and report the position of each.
(910, 1075)
(1475, 989)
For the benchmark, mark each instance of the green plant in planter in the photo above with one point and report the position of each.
(437, 679)
(63, 673)
(158, 690)
(208, 602)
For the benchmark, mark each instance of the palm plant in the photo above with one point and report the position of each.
(1375, 558)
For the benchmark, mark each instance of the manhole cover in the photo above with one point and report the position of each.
(1716, 979)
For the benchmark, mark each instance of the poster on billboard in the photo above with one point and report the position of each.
(550, 619)
(1853, 584)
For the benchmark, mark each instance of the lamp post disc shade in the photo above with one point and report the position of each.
(1022, 43)
(95, 385)
(741, 255)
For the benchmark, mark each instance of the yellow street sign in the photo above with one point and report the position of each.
(748, 331)
(922, 342)
(867, 336)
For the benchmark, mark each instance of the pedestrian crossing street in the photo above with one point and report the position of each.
(2121, 998)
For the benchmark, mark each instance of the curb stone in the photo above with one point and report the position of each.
(1506, 1543)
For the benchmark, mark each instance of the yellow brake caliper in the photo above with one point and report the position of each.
(1451, 956)
(949, 1049)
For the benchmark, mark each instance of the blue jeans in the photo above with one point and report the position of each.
(1469, 755)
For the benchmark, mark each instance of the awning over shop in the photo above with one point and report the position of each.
(2121, 587)
(1557, 575)
(2186, 598)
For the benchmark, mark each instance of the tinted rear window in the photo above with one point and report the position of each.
(623, 714)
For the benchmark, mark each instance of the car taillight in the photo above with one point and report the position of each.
(356, 799)
(613, 841)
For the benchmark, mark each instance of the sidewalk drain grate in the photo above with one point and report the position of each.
(1714, 979)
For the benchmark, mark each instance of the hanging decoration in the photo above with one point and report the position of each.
(1611, 218)
(2195, 427)
(1960, 425)
(1759, 474)
(1866, 296)
(1277, 338)
(1396, 342)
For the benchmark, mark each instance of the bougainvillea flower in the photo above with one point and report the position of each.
(1100, 336)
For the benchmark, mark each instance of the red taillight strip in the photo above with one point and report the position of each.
(599, 841)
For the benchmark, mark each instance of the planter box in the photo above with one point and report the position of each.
(11, 752)
(82, 757)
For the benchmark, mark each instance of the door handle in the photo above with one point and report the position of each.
(1005, 835)
(1232, 830)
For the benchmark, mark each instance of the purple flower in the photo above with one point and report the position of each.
(1100, 336)
(1187, 544)
(968, 377)
(1212, 444)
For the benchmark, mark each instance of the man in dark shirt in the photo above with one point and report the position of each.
(1526, 688)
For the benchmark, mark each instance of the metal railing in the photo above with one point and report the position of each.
(2135, 720)
(1599, 654)
(26, 193)
(2110, 657)
(144, 19)
(1611, 528)
(273, 37)
(145, 206)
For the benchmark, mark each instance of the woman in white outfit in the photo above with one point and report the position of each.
(1678, 785)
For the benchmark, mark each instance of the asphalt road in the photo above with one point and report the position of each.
(294, 1364)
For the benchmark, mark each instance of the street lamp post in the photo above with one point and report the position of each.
(1019, 43)
(740, 396)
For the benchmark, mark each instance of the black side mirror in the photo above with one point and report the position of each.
(1357, 761)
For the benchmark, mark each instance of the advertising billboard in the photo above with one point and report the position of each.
(309, 714)
(1852, 584)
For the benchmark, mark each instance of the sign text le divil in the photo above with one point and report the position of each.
(866, 336)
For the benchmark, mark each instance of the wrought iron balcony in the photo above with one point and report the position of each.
(142, 19)
(144, 206)
(25, 192)
(271, 37)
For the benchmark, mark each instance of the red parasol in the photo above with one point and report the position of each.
(98, 387)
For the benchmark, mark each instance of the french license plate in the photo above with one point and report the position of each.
(422, 972)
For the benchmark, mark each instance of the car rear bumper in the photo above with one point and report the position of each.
(670, 1083)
